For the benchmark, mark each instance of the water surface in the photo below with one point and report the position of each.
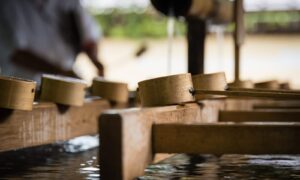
(78, 159)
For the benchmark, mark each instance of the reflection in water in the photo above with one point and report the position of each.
(226, 167)
(74, 159)
(78, 159)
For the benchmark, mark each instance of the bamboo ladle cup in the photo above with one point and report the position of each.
(114, 91)
(16, 93)
(63, 90)
(183, 88)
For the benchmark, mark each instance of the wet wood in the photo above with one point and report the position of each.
(259, 116)
(63, 90)
(113, 91)
(130, 138)
(167, 90)
(48, 123)
(16, 93)
(227, 138)
(126, 135)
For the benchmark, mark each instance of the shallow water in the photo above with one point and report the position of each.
(75, 160)
(226, 167)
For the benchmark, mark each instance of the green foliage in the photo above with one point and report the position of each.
(276, 19)
(135, 25)
(131, 24)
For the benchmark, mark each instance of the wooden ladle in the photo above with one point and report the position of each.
(63, 90)
(182, 88)
(16, 93)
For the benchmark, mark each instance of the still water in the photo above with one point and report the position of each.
(78, 159)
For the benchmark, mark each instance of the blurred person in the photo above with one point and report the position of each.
(45, 36)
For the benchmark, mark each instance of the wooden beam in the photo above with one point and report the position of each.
(259, 116)
(126, 135)
(227, 138)
(48, 123)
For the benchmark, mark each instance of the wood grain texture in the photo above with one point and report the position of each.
(48, 123)
(259, 116)
(63, 90)
(167, 90)
(227, 138)
(16, 93)
(114, 91)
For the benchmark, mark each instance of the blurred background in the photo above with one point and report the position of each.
(134, 45)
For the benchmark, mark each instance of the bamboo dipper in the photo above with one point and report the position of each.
(166, 90)
(114, 91)
(179, 89)
(16, 93)
(63, 90)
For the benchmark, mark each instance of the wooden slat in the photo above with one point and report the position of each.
(227, 138)
(48, 123)
(126, 143)
(291, 107)
(270, 95)
(259, 116)
(264, 90)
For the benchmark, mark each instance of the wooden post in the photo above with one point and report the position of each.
(196, 34)
(239, 35)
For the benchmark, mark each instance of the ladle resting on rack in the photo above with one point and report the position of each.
(182, 88)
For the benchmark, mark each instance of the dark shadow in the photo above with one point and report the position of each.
(113, 103)
(5, 114)
(194, 159)
(62, 108)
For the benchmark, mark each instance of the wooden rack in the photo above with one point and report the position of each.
(130, 139)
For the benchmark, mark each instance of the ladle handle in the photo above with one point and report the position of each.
(233, 93)
(264, 90)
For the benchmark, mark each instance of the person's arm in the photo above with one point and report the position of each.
(91, 49)
(89, 35)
